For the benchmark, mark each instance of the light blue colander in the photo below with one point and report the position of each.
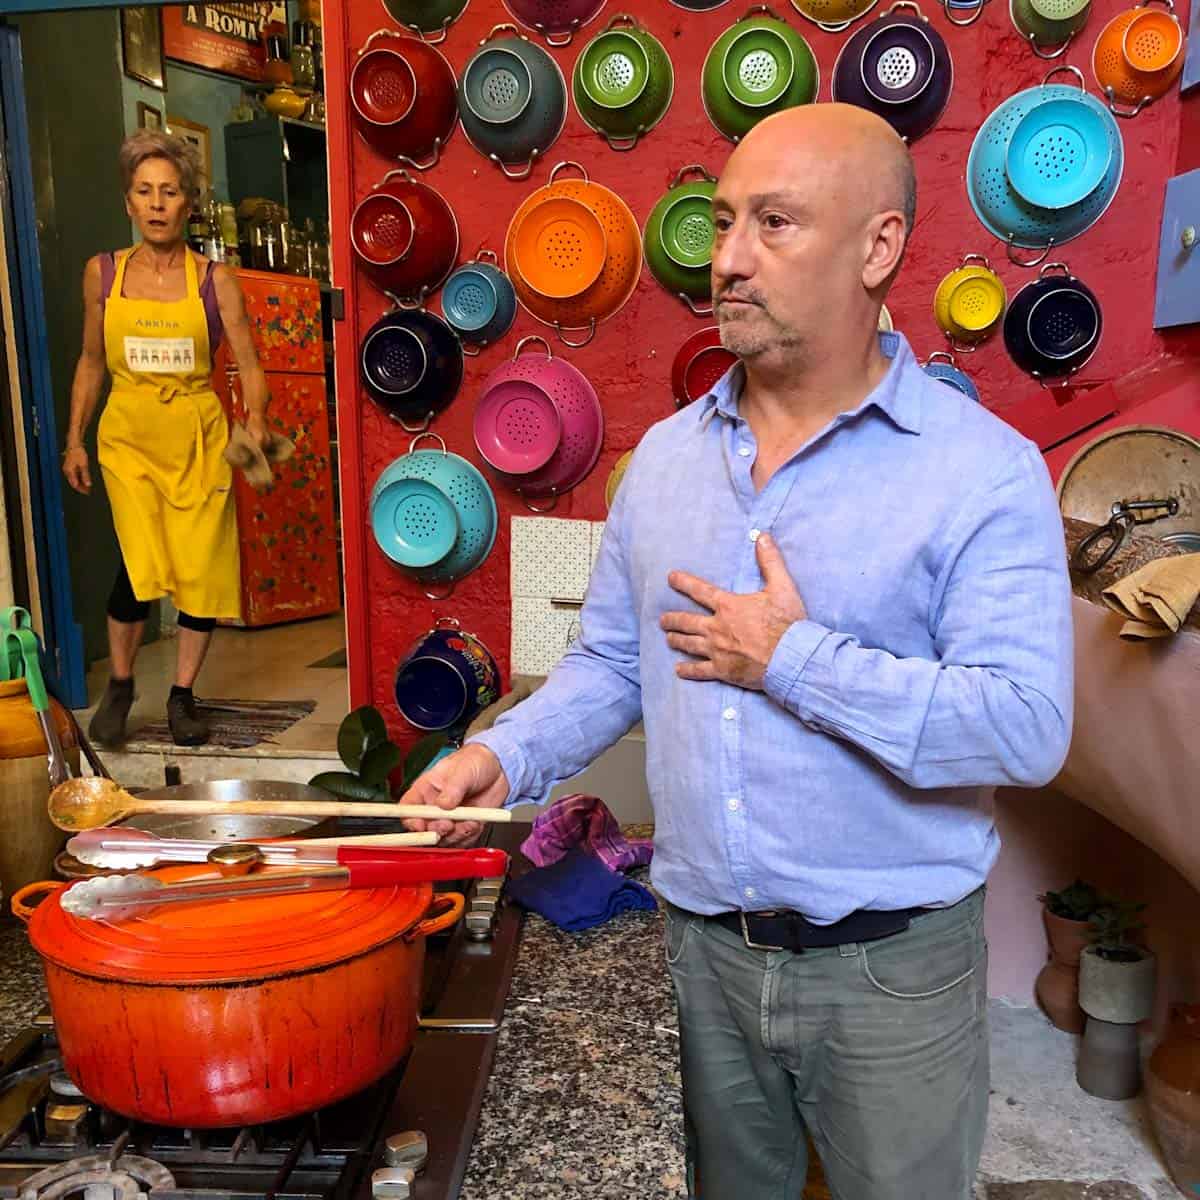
(461, 482)
(1059, 153)
(941, 365)
(1001, 208)
(479, 302)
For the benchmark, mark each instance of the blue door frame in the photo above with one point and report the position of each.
(60, 632)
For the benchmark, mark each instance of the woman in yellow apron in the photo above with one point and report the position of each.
(153, 317)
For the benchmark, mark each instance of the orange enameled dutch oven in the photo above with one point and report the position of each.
(236, 1012)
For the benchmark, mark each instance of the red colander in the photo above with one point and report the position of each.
(555, 20)
(699, 363)
(579, 412)
(403, 94)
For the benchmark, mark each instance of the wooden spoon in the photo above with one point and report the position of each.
(92, 802)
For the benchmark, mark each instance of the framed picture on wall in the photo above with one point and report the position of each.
(198, 136)
(225, 38)
(149, 117)
(142, 45)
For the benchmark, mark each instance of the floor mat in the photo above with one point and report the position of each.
(336, 659)
(234, 724)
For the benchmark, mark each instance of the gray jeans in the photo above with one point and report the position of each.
(879, 1050)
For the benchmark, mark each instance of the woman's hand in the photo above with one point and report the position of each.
(77, 470)
(256, 427)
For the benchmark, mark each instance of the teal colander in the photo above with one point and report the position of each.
(678, 238)
(462, 484)
(623, 82)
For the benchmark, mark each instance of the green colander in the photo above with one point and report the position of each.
(429, 18)
(679, 236)
(758, 66)
(1049, 23)
(623, 82)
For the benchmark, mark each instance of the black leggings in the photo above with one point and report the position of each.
(125, 607)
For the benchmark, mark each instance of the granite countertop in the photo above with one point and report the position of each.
(584, 1097)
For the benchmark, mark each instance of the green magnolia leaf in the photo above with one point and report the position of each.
(361, 731)
(421, 755)
(378, 763)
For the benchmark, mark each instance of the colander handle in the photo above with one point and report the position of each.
(472, 351)
(976, 12)
(979, 258)
(566, 341)
(698, 310)
(755, 9)
(426, 434)
(567, 162)
(957, 346)
(1116, 109)
(563, 39)
(483, 254)
(914, 6)
(1066, 69)
(1048, 54)
(424, 425)
(621, 19)
(504, 27)
(447, 623)
(394, 171)
(1032, 262)
(833, 26)
(378, 33)
(521, 172)
(432, 161)
(549, 507)
(624, 143)
(442, 595)
(408, 303)
(693, 169)
(939, 354)
(1170, 4)
(435, 37)
(532, 337)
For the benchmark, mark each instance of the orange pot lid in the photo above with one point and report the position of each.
(228, 941)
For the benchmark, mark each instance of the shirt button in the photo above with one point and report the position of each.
(749, 893)
(729, 714)
(754, 534)
(733, 804)
(744, 451)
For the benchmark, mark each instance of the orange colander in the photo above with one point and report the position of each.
(559, 247)
(622, 257)
(1138, 56)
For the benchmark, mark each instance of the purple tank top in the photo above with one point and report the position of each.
(208, 297)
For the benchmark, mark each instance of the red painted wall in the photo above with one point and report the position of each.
(629, 362)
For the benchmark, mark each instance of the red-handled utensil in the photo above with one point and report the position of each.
(119, 897)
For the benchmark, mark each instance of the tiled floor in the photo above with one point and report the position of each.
(252, 664)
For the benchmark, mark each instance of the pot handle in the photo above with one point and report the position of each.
(444, 910)
(976, 12)
(1066, 69)
(567, 162)
(693, 169)
(566, 341)
(432, 161)
(698, 310)
(521, 172)
(24, 912)
(1033, 262)
(532, 337)
(1049, 54)
(1125, 112)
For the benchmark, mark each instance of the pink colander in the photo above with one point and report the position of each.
(579, 411)
(517, 426)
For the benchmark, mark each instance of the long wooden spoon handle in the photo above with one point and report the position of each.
(368, 840)
(320, 808)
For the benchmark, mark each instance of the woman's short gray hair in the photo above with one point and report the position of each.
(145, 144)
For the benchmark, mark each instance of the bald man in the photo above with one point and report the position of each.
(836, 592)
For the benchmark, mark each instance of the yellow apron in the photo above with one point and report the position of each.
(161, 443)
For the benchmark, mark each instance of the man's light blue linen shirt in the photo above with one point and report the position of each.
(936, 661)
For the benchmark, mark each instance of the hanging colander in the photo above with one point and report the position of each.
(517, 425)
(833, 16)
(941, 365)
(623, 82)
(412, 366)
(1125, 54)
(429, 18)
(1049, 25)
(679, 238)
(559, 247)
(969, 302)
(622, 262)
(615, 476)
(556, 20)
(899, 68)
(405, 236)
(413, 523)
(582, 422)
(512, 101)
(1053, 325)
(1059, 153)
(478, 302)
(402, 93)
(997, 204)
(758, 66)
(699, 363)
(461, 483)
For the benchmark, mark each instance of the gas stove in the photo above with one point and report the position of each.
(409, 1135)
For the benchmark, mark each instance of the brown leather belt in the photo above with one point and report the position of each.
(787, 930)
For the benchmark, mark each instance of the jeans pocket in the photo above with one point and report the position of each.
(678, 927)
(934, 955)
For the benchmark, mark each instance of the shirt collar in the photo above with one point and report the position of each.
(898, 394)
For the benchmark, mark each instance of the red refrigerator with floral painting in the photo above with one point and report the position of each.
(287, 535)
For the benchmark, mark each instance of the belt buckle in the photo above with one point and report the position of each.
(746, 934)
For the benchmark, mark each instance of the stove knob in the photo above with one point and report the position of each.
(393, 1183)
(407, 1149)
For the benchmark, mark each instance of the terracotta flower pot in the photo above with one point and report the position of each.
(1173, 1094)
(1057, 986)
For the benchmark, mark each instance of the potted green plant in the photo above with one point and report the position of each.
(1065, 915)
(1116, 990)
(368, 754)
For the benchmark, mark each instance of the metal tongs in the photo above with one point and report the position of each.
(120, 897)
(1125, 514)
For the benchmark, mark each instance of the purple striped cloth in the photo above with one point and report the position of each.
(586, 822)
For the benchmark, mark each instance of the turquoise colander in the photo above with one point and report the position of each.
(1001, 208)
(467, 490)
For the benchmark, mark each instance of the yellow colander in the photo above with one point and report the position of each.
(833, 15)
(970, 302)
